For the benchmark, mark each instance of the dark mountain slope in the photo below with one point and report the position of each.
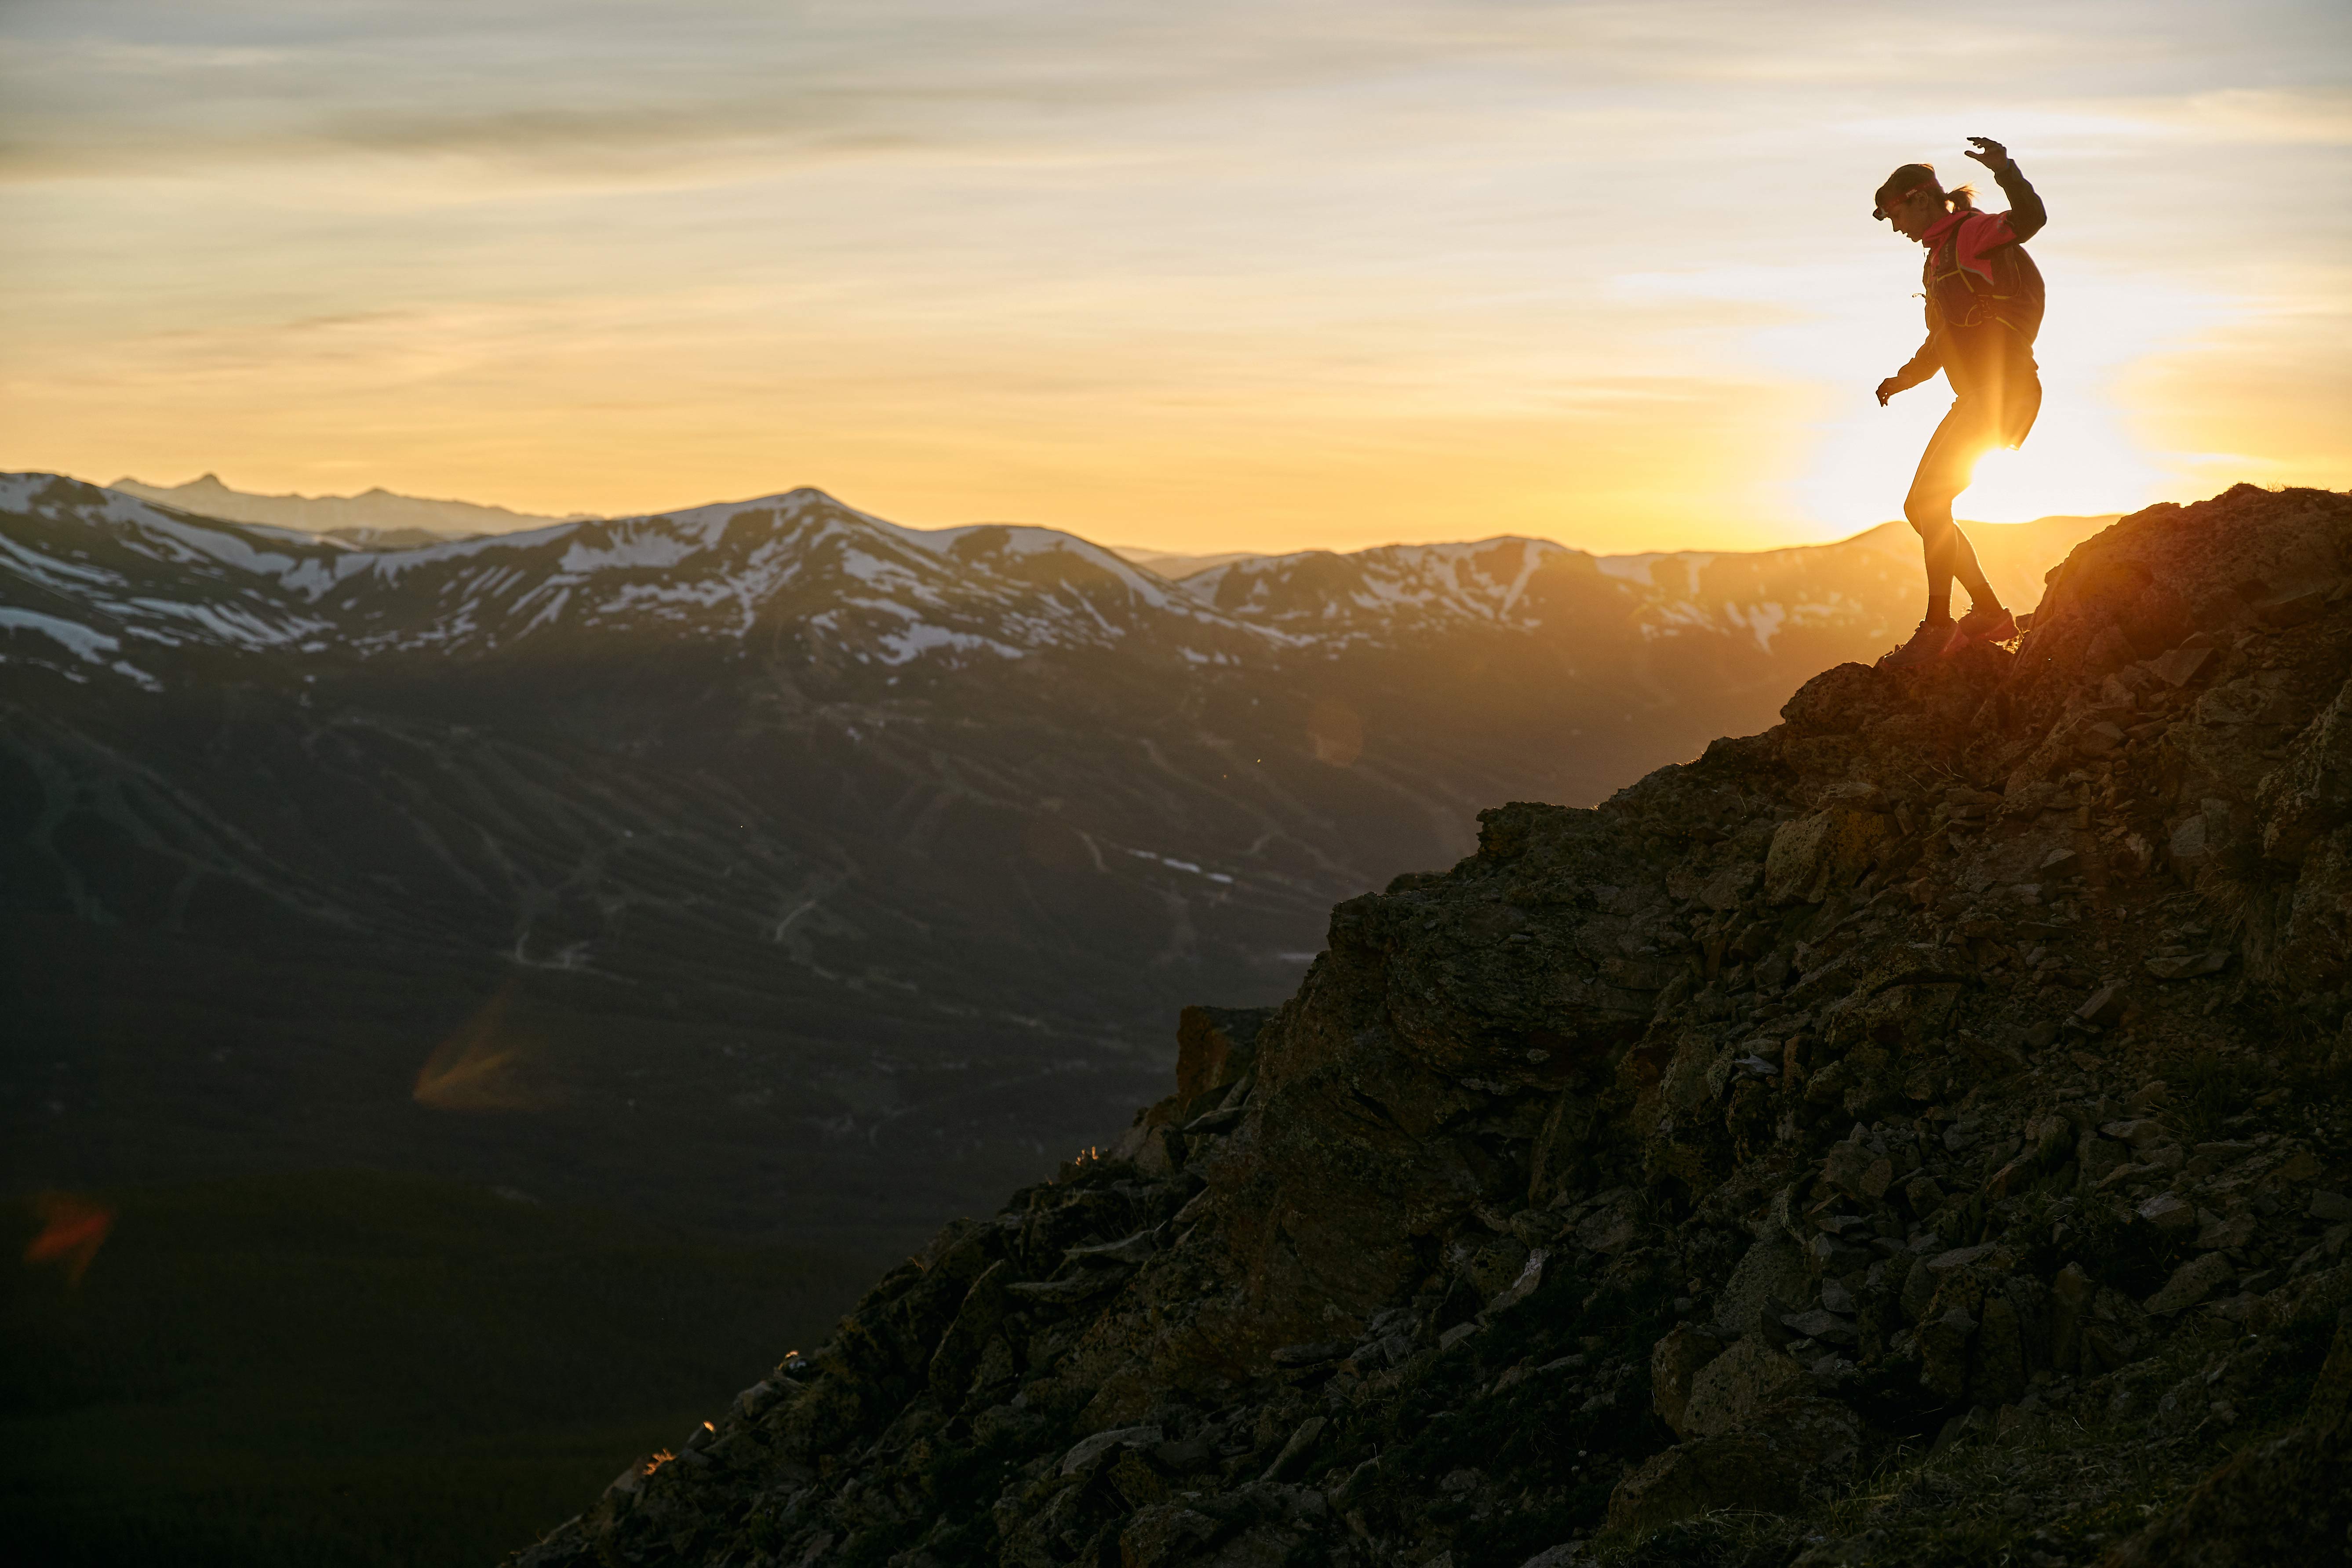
(1958, 1064)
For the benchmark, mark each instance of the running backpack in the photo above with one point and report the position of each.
(1964, 298)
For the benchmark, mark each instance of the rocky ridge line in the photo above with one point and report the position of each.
(1917, 1133)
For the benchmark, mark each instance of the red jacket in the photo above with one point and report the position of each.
(1984, 309)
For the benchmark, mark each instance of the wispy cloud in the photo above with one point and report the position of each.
(149, 86)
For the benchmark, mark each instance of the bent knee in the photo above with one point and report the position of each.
(1928, 515)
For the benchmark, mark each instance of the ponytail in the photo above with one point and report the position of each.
(1913, 177)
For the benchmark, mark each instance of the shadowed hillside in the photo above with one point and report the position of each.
(1917, 1133)
(357, 1371)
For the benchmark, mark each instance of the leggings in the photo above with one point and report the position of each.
(1969, 431)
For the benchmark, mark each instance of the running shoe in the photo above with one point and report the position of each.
(1980, 624)
(1925, 643)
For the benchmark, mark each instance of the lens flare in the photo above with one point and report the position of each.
(72, 1230)
(479, 1068)
(1336, 732)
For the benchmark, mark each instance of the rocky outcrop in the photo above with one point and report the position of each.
(1944, 1088)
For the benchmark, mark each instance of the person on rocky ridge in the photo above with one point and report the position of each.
(1984, 307)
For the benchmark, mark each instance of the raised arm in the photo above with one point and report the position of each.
(2026, 213)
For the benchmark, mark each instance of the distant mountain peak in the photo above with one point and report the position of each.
(373, 508)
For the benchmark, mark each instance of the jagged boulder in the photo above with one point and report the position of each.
(2310, 796)
(1832, 848)
(1675, 1361)
(1733, 1388)
(1772, 1270)
(1767, 1465)
(1214, 1049)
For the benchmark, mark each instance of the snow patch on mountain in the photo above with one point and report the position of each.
(1763, 620)
(232, 623)
(636, 547)
(978, 542)
(77, 639)
(49, 571)
(1644, 569)
(90, 645)
(921, 636)
(1483, 580)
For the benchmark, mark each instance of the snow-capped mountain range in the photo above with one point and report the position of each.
(99, 573)
(898, 848)
(165, 579)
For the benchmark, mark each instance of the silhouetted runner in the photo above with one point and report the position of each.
(1984, 308)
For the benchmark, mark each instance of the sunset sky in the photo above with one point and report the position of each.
(1207, 275)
